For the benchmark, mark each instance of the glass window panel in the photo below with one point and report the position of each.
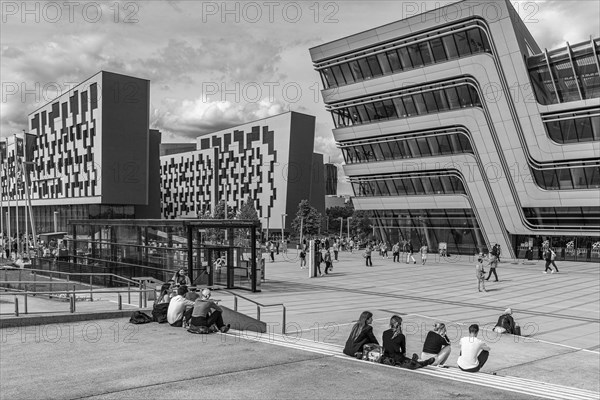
(419, 103)
(348, 76)
(474, 36)
(386, 150)
(400, 189)
(425, 53)
(450, 46)
(565, 81)
(437, 47)
(584, 129)
(374, 64)
(337, 73)
(550, 179)
(371, 112)
(328, 77)
(596, 127)
(362, 113)
(348, 155)
(390, 110)
(465, 144)
(386, 68)
(452, 97)
(396, 150)
(539, 178)
(564, 179)
(418, 186)
(462, 43)
(474, 96)
(364, 67)
(430, 102)
(392, 187)
(404, 58)
(440, 99)
(409, 105)
(569, 133)
(446, 184)
(355, 69)
(434, 145)
(423, 147)
(414, 148)
(354, 114)
(400, 110)
(380, 111)
(454, 143)
(436, 185)
(579, 178)
(445, 147)
(593, 177)
(382, 188)
(415, 55)
(464, 96)
(394, 60)
(588, 75)
(368, 153)
(404, 149)
(427, 188)
(457, 184)
(553, 129)
(377, 151)
(410, 189)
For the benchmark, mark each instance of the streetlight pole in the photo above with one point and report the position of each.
(282, 231)
(341, 226)
(348, 227)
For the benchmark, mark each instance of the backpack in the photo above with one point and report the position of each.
(139, 317)
(159, 313)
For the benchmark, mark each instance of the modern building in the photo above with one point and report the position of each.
(457, 130)
(269, 161)
(331, 179)
(337, 201)
(89, 154)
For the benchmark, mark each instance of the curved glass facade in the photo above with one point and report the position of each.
(573, 130)
(457, 229)
(408, 186)
(407, 57)
(401, 148)
(588, 217)
(427, 102)
(568, 178)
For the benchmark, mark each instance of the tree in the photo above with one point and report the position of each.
(246, 212)
(361, 224)
(308, 217)
(335, 213)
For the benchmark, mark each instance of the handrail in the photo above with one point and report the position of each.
(81, 273)
(258, 305)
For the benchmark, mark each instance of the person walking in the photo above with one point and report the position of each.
(409, 253)
(368, 251)
(423, 250)
(396, 252)
(549, 256)
(480, 273)
(336, 249)
(493, 263)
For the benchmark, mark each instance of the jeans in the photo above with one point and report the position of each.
(187, 315)
(216, 317)
(482, 358)
(336, 255)
(396, 257)
(548, 262)
(409, 256)
(368, 261)
(492, 271)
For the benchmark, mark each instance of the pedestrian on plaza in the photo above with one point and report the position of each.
(367, 255)
(480, 273)
(271, 249)
(474, 352)
(506, 324)
(409, 252)
(351, 245)
(423, 250)
(277, 246)
(328, 261)
(302, 258)
(384, 250)
(336, 249)
(361, 334)
(396, 252)
(549, 256)
(437, 345)
(495, 256)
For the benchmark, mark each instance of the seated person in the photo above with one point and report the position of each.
(394, 347)
(206, 313)
(473, 352)
(361, 334)
(165, 294)
(192, 295)
(506, 324)
(180, 278)
(180, 309)
(437, 345)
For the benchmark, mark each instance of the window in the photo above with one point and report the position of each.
(462, 43)
(430, 102)
(362, 113)
(390, 109)
(437, 48)
(423, 147)
(553, 129)
(386, 151)
(450, 46)
(384, 62)
(415, 55)
(370, 111)
(337, 74)
(475, 40)
(569, 133)
(394, 60)
(434, 145)
(409, 105)
(328, 77)
(348, 76)
(425, 53)
(374, 64)
(419, 103)
(377, 152)
(444, 143)
(355, 69)
(464, 96)
(584, 129)
(404, 58)
(418, 186)
(400, 110)
(452, 97)
(440, 99)
(380, 111)
(364, 66)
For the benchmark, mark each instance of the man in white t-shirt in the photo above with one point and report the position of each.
(180, 309)
(473, 352)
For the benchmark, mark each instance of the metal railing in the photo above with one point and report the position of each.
(258, 307)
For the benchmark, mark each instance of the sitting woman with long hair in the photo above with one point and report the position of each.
(361, 334)
(181, 278)
(394, 347)
(165, 294)
(437, 344)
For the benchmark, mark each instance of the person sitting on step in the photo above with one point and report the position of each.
(206, 313)
(437, 345)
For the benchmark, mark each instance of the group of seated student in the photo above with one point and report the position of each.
(197, 313)
(474, 352)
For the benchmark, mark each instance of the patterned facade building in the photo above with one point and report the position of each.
(268, 161)
(463, 133)
(90, 154)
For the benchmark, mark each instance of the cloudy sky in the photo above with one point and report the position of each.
(212, 65)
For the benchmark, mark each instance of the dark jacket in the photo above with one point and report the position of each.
(354, 346)
(507, 322)
(394, 348)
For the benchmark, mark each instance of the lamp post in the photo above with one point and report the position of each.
(341, 226)
(348, 227)
(282, 228)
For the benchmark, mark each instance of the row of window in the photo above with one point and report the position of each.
(566, 216)
(425, 185)
(432, 218)
(451, 46)
(568, 178)
(400, 148)
(409, 105)
(568, 78)
(585, 129)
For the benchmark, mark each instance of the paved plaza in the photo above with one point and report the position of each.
(559, 314)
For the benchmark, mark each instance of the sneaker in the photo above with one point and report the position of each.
(415, 262)
(415, 357)
(225, 328)
(552, 272)
(358, 355)
(429, 361)
(545, 272)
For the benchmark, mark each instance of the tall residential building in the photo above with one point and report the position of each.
(461, 132)
(89, 154)
(270, 161)
(331, 179)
